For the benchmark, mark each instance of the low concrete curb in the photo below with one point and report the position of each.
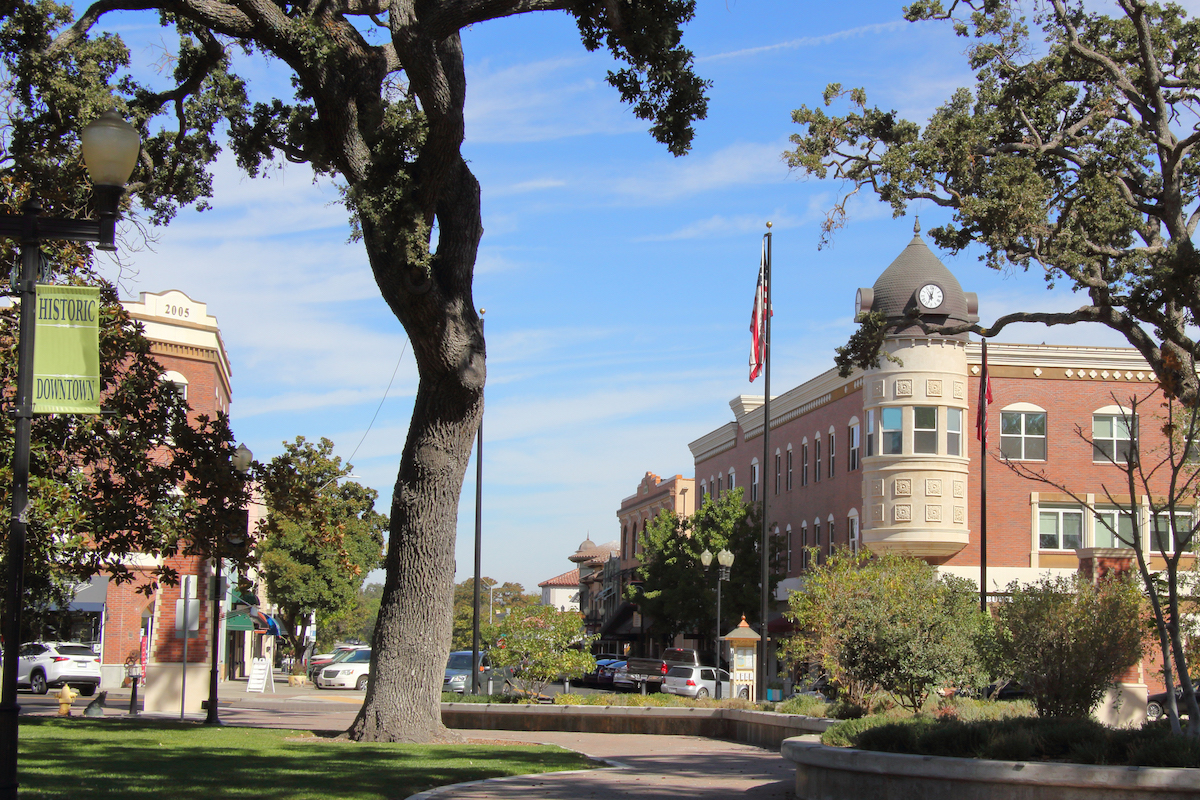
(831, 773)
(760, 728)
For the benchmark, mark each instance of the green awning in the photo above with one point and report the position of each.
(239, 621)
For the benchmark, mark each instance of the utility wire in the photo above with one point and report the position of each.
(380, 406)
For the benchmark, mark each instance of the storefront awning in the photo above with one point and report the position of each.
(89, 596)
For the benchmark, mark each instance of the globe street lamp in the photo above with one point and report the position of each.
(725, 561)
(110, 151)
(241, 460)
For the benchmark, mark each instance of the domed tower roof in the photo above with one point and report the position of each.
(898, 292)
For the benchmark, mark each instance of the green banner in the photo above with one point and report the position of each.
(66, 352)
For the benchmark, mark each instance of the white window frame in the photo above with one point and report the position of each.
(1163, 515)
(1060, 513)
(1025, 410)
(788, 530)
(1117, 415)
(852, 530)
(890, 436)
(832, 451)
(917, 432)
(755, 472)
(1101, 527)
(829, 536)
(854, 445)
(789, 467)
(817, 458)
(954, 440)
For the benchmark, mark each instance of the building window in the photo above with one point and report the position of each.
(832, 452)
(1112, 437)
(925, 429)
(817, 542)
(852, 434)
(732, 482)
(789, 549)
(804, 464)
(789, 468)
(871, 432)
(1060, 528)
(754, 481)
(852, 529)
(954, 417)
(718, 484)
(829, 547)
(804, 546)
(1114, 528)
(778, 473)
(1163, 538)
(703, 491)
(817, 460)
(891, 432)
(1023, 435)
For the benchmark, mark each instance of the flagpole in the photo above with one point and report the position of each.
(984, 399)
(762, 472)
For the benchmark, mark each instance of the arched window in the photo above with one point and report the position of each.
(852, 529)
(754, 479)
(789, 466)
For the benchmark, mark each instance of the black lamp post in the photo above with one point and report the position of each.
(110, 151)
(241, 460)
(725, 561)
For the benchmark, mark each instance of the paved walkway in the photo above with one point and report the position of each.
(639, 767)
(644, 767)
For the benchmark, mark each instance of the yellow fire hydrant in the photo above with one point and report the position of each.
(65, 695)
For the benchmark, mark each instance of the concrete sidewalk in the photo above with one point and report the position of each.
(643, 767)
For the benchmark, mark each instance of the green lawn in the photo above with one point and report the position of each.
(83, 758)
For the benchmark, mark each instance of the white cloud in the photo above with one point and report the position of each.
(541, 101)
(810, 41)
(737, 164)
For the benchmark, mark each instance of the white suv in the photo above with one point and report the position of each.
(45, 664)
(351, 672)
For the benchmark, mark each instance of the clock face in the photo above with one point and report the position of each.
(930, 295)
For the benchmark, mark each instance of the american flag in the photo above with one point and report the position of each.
(985, 400)
(758, 319)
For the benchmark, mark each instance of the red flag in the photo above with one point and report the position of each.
(985, 400)
(758, 320)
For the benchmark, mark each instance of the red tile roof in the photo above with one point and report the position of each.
(566, 579)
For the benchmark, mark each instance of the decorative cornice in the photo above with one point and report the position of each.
(714, 443)
(1061, 362)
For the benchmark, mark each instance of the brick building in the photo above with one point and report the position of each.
(186, 341)
(888, 459)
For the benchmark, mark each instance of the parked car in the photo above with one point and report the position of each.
(1005, 690)
(1156, 704)
(593, 678)
(699, 682)
(341, 652)
(621, 679)
(351, 672)
(605, 674)
(653, 670)
(42, 665)
(458, 671)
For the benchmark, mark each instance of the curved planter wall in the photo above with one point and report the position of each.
(761, 728)
(835, 773)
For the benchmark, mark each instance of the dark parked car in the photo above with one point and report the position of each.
(1156, 704)
(593, 678)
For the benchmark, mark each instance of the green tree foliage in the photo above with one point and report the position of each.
(377, 101)
(539, 644)
(677, 592)
(1075, 157)
(355, 624)
(888, 621)
(319, 539)
(504, 597)
(1066, 639)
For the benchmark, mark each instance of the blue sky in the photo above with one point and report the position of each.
(617, 279)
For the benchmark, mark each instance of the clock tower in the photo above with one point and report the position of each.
(915, 402)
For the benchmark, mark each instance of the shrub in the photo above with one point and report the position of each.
(1066, 639)
(846, 732)
(889, 621)
(805, 705)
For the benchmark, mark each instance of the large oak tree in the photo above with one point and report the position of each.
(379, 91)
